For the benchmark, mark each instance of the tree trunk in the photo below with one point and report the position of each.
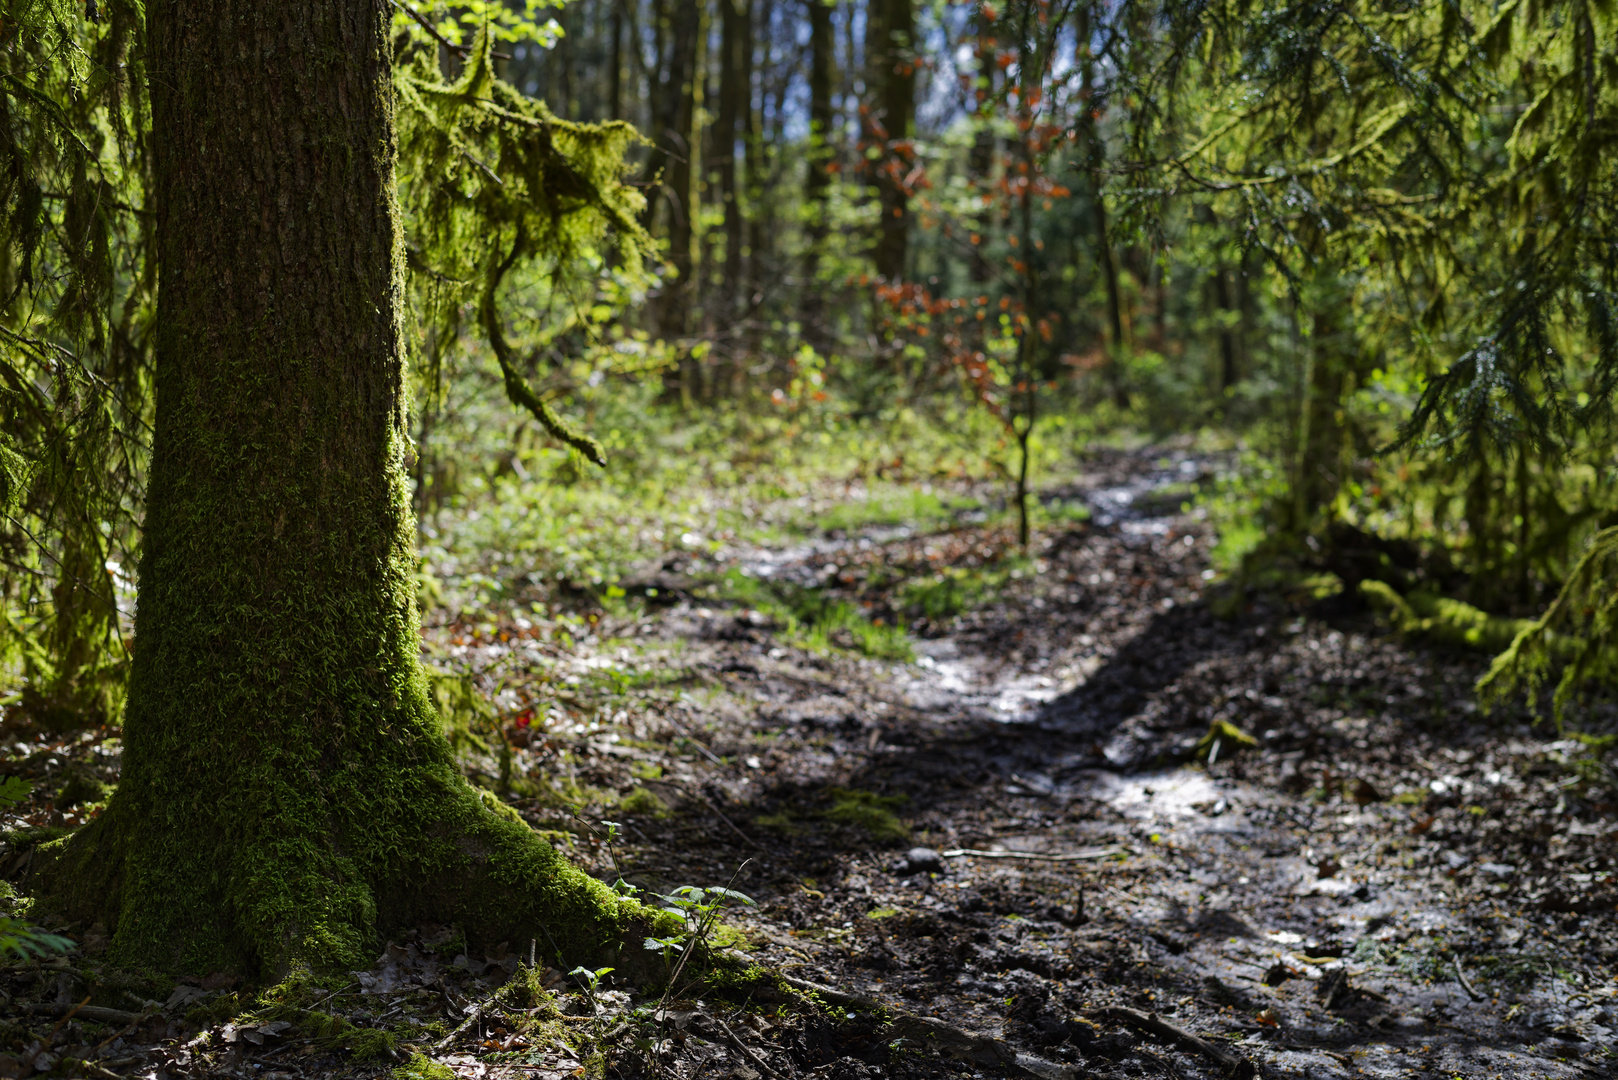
(673, 112)
(1334, 368)
(1227, 333)
(735, 98)
(817, 181)
(615, 63)
(287, 793)
(1093, 155)
(890, 92)
(980, 159)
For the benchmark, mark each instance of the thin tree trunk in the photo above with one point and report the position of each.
(1094, 159)
(1227, 336)
(890, 91)
(735, 97)
(980, 160)
(671, 159)
(567, 103)
(615, 72)
(287, 794)
(817, 180)
(758, 237)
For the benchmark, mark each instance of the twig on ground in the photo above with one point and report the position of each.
(121, 1032)
(693, 740)
(96, 1013)
(1071, 856)
(710, 804)
(1460, 974)
(743, 1049)
(721, 814)
(471, 1019)
(90, 1068)
(930, 1031)
(1153, 1024)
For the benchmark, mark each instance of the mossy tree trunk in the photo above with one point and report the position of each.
(287, 794)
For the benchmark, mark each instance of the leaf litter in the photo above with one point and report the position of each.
(1304, 852)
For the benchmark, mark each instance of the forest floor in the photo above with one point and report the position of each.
(1081, 821)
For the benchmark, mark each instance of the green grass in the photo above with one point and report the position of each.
(918, 507)
(809, 618)
(955, 589)
(869, 811)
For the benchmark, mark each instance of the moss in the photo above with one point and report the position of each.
(725, 936)
(217, 1011)
(14, 1036)
(79, 789)
(492, 802)
(373, 1044)
(780, 822)
(288, 795)
(34, 835)
(526, 990)
(746, 979)
(1442, 619)
(419, 1067)
(869, 811)
(642, 801)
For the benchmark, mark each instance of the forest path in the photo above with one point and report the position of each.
(1311, 902)
(1387, 884)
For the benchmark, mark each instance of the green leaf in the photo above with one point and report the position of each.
(14, 790)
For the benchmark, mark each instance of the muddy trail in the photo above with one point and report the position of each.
(1097, 824)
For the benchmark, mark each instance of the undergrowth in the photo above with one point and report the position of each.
(809, 618)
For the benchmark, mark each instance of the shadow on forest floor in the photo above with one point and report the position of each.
(1384, 883)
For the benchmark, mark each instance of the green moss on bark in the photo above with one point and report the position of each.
(287, 792)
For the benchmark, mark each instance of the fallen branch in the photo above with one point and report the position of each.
(952, 1040)
(1153, 1024)
(96, 1013)
(472, 1018)
(90, 1068)
(1071, 856)
(747, 1052)
(711, 805)
(1461, 975)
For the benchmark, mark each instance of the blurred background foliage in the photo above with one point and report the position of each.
(795, 265)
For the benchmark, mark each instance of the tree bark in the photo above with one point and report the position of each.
(615, 63)
(980, 159)
(287, 793)
(1227, 334)
(1094, 157)
(890, 92)
(817, 179)
(735, 98)
(673, 110)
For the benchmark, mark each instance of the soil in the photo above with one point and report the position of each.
(1097, 799)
